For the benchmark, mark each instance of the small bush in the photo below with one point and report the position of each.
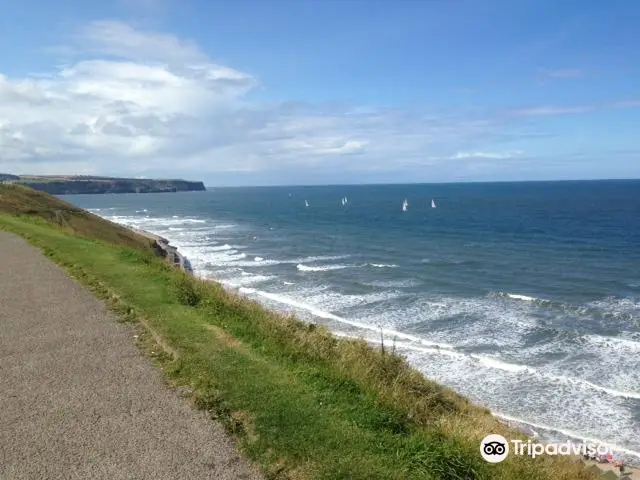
(186, 292)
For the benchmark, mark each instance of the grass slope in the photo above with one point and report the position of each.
(300, 402)
(22, 200)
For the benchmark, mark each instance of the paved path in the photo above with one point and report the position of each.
(78, 400)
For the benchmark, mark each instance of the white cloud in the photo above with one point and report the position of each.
(493, 155)
(121, 40)
(550, 110)
(136, 102)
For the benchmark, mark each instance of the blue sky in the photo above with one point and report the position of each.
(300, 91)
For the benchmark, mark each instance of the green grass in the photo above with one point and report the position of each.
(300, 402)
(18, 199)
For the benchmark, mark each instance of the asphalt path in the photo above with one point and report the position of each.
(77, 398)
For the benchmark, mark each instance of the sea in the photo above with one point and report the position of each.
(524, 297)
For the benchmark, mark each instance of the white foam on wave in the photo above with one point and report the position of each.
(330, 316)
(224, 226)
(393, 284)
(321, 296)
(248, 262)
(409, 346)
(383, 265)
(604, 363)
(262, 262)
(496, 363)
(474, 321)
(579, 382)
(493, 362)
(301, 260)
(617, 344)
(500, 387)
(192, 236)
(154, 223)
(320, 268)
(618, 307)
(181, 231)
(246, 280)
(504, 328)
(318, 258)
(524, 298)
(218, 248)
(518, 296)
(510, 367)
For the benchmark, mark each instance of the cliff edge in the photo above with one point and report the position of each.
(67, 185)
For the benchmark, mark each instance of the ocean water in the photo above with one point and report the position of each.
(524, 297)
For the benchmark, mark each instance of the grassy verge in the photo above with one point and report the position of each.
(21, 200)
(300, 402)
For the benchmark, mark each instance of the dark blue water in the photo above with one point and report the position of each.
(523, 296)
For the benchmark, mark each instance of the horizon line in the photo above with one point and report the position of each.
(465, 182)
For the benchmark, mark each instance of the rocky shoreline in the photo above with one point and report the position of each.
(167, 251)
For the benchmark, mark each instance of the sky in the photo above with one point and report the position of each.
(277, 92)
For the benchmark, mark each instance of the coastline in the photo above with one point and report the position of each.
(169, 252)
(631, 472)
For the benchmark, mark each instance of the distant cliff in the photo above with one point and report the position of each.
(67, 185)
(7, 176)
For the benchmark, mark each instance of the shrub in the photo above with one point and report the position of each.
(186, 292)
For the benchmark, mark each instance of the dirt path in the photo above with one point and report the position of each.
(77, 399)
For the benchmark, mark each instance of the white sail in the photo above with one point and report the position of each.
(433, 203)
(306, 203)
(405, 204)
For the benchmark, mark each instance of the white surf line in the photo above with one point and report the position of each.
(329, 316)
(498, 364)
(503, 416)
(440, 348)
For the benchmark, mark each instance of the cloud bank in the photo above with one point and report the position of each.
(134, 102)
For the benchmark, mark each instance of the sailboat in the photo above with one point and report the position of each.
(344, 201)
(405, 204)
(433, 203)
(306, 203)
